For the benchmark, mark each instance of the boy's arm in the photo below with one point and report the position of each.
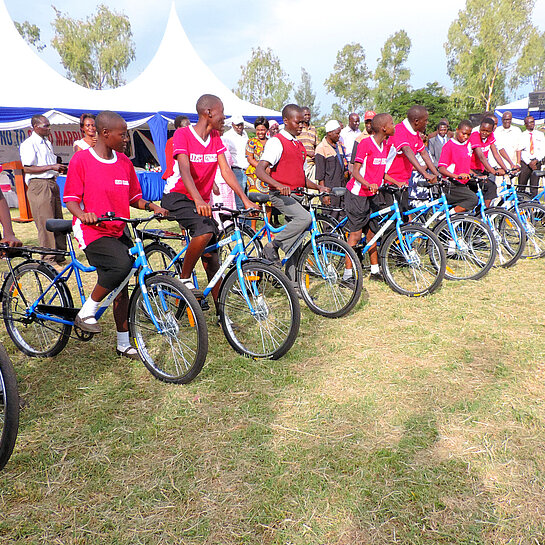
(499, 159)
(414, 162)
(88, 218)
(203, 208)
(358, 177)
(505, 156)
(427, 159)
(9, 237)
(261, 173)
(151, 206)
(231, 180)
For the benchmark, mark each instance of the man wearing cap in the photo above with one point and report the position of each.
(235, 140)
(350, 133)
(366, 133)
(274, 128)
(331, 163)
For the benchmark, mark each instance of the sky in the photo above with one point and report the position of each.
(302, 33)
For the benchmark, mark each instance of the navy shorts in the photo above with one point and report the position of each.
(359, 209)
(183, 209)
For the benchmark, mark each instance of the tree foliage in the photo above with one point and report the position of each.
(31, 34)
(304, 96)
(349, 81)
(531, 64)
(96, 51)
(391, 75)
(483, 45)
(263, 81)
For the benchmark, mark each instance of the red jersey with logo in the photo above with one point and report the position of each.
(290, 170)
(101, 186)
(399, 167)
(456, 158)
(203, 160)
(373, 165)
(475, 142)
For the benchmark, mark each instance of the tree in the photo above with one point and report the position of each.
(96, 51)
(391, 75)
(349, 81)
(531, 64)
(483, 45)
(304, 96)
(31, 34)
(263, 81)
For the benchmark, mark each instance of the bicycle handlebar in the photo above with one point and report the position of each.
(133, 221)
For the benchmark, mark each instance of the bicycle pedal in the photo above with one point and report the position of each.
(204, 304)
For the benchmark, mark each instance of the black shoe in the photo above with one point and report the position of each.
(348, 282)
(376, 277)
(270, 252)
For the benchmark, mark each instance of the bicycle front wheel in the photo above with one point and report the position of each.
(160, 256)
(470, 247)
(36, 337)
(253, 248)
(413, 264)
(509, 236)
(532, 216)
(9, 408)
(270, 327)
(320, 277)
(177, 352)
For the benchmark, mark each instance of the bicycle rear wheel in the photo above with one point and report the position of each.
(9, 408)
(532, 216)
(271, 329)
(509, 236)
(320, 277)
(177, 353)
(413, 265)
(470, 249)
(34, 336)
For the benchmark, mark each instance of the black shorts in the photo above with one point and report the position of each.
(359, 209)
(111, 258)
(460, 195)
(183, 209)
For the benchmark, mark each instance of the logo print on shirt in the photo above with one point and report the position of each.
(121, 182)
(379, 161)
(206, 158)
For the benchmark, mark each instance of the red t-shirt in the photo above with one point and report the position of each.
(400, 168)
(101, 186)
(456, 158)
(203, 160)
(373, 165)
(476, 142)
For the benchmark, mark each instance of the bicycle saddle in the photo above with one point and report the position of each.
(59, 226)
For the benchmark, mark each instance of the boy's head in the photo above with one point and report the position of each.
(210, 109)
(181, 121)
(383, 124)
(463, 131)
(306, 114)
(112, 131)
(418, 118)
(292, 116)
(486, 128)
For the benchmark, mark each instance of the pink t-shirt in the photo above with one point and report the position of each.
(476, 142)
(400, 168)
(101, 186)
(203, 160)
(456, 158)
(373, 164)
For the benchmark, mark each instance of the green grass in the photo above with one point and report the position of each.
(411, 421)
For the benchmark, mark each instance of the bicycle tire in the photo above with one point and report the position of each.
(9, 408)
(532, 216)
(34, 337)
(419, 271)
(252, 248)
(177, 355)
(474, 252)
(271, 331)
(509, 235)
(159, 255)
(329, 296)
(326, 224)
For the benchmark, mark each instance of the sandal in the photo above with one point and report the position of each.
(128, 352)
(84, 325)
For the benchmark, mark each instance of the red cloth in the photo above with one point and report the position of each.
(456, 158)
(203, 160)
(373, 164)
(101, 186)
(169, 170)
(290, 170)
(401, 168)
(475, 142)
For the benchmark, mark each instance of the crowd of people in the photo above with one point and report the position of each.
(205, 165)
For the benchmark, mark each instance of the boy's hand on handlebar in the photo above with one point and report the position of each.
(500, 172)
(162, 211)
(323, 188)
(88, 218)
(464, 176)
(283, 189)
(373, 188)
(430, 177)
(203, 209)
(12, 241)
(249, 204)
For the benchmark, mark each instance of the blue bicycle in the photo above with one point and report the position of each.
(166, 323)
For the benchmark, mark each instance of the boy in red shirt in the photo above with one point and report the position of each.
(199, 151)
(482, 142)
(101, 180)
(455, 162)
(362, 197)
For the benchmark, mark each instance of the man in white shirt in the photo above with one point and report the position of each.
(350, 133)
(530, 155)
(235, 139)
(508, 137)
(41, 171)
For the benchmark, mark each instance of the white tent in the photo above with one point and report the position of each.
(519, 109)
